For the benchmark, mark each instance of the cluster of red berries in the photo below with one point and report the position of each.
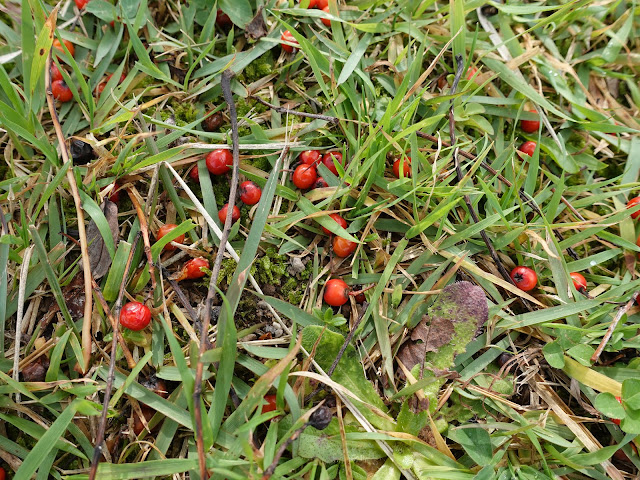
(305, 175)
(526, 279)
(528, 126)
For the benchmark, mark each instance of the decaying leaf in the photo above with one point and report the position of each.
(453, 320)
(256, 28)
(99, 258)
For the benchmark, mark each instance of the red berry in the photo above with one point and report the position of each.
(471, 72)
(61, 91)
(101, 86)
(115, 194)
(148, 414)
(406, 167)
(328, 158)
(235, 214)
(336, 292)
(326, 21)
(339, 220)
(632, 203)
(250, 193)
(360, 298)
(528, 147)
(58, 46)
(222, 19)
(617, 420)
(579, 282)
(343, 247)
(322, 4)
(304, 176)
(524, 278)
(310, 157)
(270, 404)
(112, 23)
(288, 37)
(219, 161)
(135, 316)
(166, 229)
(3, 474)
(81, 4)
(56, 74)
(530, 126)
(193, 268)
(320, 183)
(194, 174)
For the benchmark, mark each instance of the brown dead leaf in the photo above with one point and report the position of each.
(256, 28)
(99, 258)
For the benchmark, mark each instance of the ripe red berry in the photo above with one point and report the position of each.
(579, 282)
(343, 247)
(135, 316)
(101, 86)
(219, 161)
(528, 147)
(58, 46)
(321, 4)
(336, 292)
(632, 203)
(313, 3)
(194, 174)
(360, 298)
(81, 4)
(304, 176)
(193, 268)
(524, 278)
(115, 194)
(56, 74)
(471, 72)
(339, 220)
(326, 21)
(288, 37)
(310, 157)
(61, 91)
(3, 474)
(617, 420)
(320, 183)
(270, 404)
(222, 19)
(530, 126)
(166, 229)
(328, 159)
(235, 214)
(406, 167)
(148, 414)
(250, 193)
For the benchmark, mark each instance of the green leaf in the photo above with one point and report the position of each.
(476, 443)
(631, 393)
(554, 354)
(609, 405)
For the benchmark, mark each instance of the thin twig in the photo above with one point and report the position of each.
(614, 324)
(215, 271)
(97, 451)
(86, 265)
(144, 228)
(326, 118)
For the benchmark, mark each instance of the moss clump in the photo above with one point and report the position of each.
(244, 106)
(260, 67)
(260, 161)
(271, 267)
(185, 112)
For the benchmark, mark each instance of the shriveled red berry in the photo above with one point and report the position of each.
(328, 159)
(530, 126)
(326, 21)
(235, 213)
(310, 157)
(632, 203)
(61, 91)
(336, 292)
(193, 268)
(343, 247)
(338, 219)
(406, 167)
(270, 403)
(135, 316)
(163, 230)
(579, 282)
(250, 192)
(219, 161)
(213, 122)
(81, 4)
(320, 183)
(304, 176)
(528, 147)
(288, 37)
(524, 278)
(56, 74)
(194, 174)
(58, 46)
(222, 19)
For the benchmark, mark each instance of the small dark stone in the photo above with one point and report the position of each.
(212, 122)
(489, 10)
(321, 418)
(81, 152)
(36, 371)
(504, 358)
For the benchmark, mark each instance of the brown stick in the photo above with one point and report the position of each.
(97, 451)
(144, 228)
(215, 271)
(86, 265)
(326, 118)
(614, 324)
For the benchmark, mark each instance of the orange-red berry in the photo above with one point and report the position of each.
(58, 46)
(194, 174)
(328, 159)
(338, 219)
(343, 247)
(320, 183)
(219, 161)
(632, 203)
(524, 278)
(288, 37)
(326, 21)
(530, 126)
(528, 148)
(270, 403)
(61, 91)
(193, 268)
(579, 282)
(135, 316)
(163, 230)
(250, 192)
(406, 167)
(235, 213)
(304, 176)
(336, 292)
(310, 157)
(56, 74)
